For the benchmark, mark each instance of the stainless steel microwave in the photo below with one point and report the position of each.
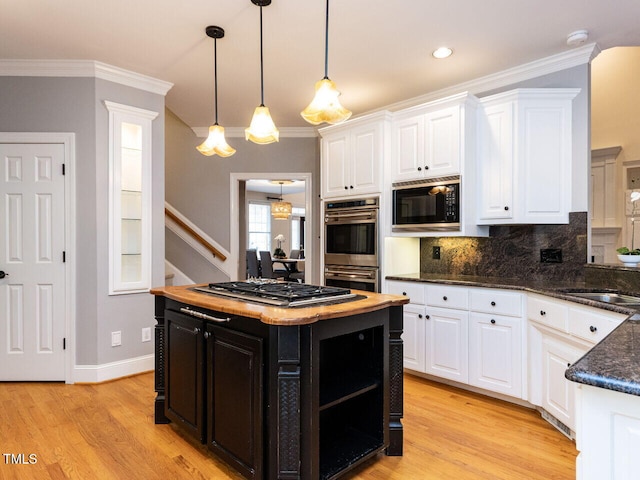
(427, 205)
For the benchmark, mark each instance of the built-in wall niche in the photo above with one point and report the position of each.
(129, 198)
(606, 210)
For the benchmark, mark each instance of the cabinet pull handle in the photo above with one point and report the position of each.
(444, 298)
(542, 312)
(493, 304)
(204, 316)
(593, 329)
(493, 321)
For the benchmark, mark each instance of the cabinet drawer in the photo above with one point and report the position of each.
(413, 290)
(448, 297)
(552, 314)
(496, 302)
(592, 326)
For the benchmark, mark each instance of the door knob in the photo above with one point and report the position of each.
(2, 274)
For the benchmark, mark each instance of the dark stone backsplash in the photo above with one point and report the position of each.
(512, 252)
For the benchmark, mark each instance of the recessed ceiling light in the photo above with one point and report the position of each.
(442, 52)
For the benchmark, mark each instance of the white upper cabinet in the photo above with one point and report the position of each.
(428, 140)
(525, 156)
(352, 156)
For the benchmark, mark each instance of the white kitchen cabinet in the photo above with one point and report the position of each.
(608, 434)
(495, 353)
(414, 337)
(558, 393)
(447, 332)
(429, 140)
(560, 333)
(352, 156)
(525, 156)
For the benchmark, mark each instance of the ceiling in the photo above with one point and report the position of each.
(379, 50)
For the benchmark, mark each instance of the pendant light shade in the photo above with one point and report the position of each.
(281, 210)
(325, 106)
(215, 144)
(262, 130)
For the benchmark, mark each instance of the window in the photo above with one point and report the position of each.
(259, 231)
(129, 198)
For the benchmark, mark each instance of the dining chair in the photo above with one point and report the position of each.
(253, 268)
(267, 267)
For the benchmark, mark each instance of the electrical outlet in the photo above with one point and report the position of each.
(116, 339)
(146, 334)
(550, 255)
(435, 253)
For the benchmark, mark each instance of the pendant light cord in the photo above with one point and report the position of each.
(215, 77)
(326, 43)
(261, 64)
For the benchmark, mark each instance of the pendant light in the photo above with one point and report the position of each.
(281, 210)
(262, 129)
(325, 106)
(215, 142)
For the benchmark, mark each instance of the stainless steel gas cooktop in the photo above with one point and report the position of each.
(282, 294)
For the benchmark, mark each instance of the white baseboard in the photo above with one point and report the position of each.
(113, 370)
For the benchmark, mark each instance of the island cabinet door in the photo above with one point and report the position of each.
(184, 372)
(234, 399)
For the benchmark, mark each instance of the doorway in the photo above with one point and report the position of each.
(238, 242)
(34, 291)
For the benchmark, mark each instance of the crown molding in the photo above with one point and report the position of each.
(83, 68)
(544, 66)
(285, 132)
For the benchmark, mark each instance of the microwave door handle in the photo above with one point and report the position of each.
(349, 274)
(365, 215)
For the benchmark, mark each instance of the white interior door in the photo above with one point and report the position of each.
(32, 295)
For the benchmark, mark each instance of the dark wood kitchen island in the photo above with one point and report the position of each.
(282, 393)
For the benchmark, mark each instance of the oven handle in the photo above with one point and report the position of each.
(371, 215)
(350, 274)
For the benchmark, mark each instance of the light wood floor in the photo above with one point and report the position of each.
(107, 431)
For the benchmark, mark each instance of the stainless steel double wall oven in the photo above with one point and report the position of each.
(351, 236)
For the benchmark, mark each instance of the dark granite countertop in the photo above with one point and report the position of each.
(614, 363)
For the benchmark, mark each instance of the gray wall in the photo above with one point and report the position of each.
(199, 186)
(43, 104)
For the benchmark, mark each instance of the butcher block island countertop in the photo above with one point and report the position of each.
(306, 392)
(365, 302)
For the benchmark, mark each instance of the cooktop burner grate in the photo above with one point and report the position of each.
(278, 293)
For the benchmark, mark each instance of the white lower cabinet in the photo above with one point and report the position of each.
(495, 353)
(447, 343)
(608, 435)
(558, 393)
(560, 333)
(413, 337)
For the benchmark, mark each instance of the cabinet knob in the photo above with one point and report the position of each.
(493, 321)
(427, 317)
(444, 298)
(426, 167)
(346, 188)
(593, 329)
(351, 186)
(419, 315)
(207, 334)
(404, 293)
(196, 330)
(542, 312)
(493, 304)
(506, 208)
(568, 364)
(419, 169)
